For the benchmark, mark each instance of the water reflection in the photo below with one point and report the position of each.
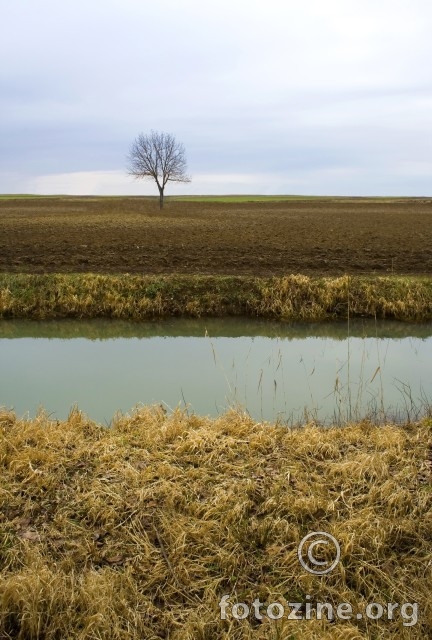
(104, 329)
(285, 372)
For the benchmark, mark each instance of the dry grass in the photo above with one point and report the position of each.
(137, 531)
(294, 297)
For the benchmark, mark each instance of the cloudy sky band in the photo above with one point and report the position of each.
(281, 96)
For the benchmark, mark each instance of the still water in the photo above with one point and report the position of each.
(276, 372)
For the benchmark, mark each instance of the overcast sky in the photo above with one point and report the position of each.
(267, 96)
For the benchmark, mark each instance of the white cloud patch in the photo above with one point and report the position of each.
(118, 183)
(327, 181)
(88, 183)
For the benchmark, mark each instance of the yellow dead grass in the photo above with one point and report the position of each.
(288, 298)
(138, 530)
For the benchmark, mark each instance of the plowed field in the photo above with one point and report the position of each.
(267, 237)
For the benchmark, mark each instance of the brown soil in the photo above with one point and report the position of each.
(115, 235)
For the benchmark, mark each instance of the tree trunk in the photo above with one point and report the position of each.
(161, 197)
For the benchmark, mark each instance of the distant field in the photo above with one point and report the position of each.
(216, 235)
(279, 198)
(243, 198)
(225, 198)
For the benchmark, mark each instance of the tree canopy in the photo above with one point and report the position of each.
(158, 156)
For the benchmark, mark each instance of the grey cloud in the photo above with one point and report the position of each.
(267, 88)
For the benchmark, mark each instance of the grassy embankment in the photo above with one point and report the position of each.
(289, 298)
(137, 531)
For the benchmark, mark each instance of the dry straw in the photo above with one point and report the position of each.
(294, 297)
(136, 531)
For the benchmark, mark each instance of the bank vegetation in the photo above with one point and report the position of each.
(138, 531)
(289, 298)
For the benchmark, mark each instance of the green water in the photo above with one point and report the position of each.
(276, 372)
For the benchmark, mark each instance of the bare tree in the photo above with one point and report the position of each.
(160, 157)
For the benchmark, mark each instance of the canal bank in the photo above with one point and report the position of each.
(289, 298)
(139, 531)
